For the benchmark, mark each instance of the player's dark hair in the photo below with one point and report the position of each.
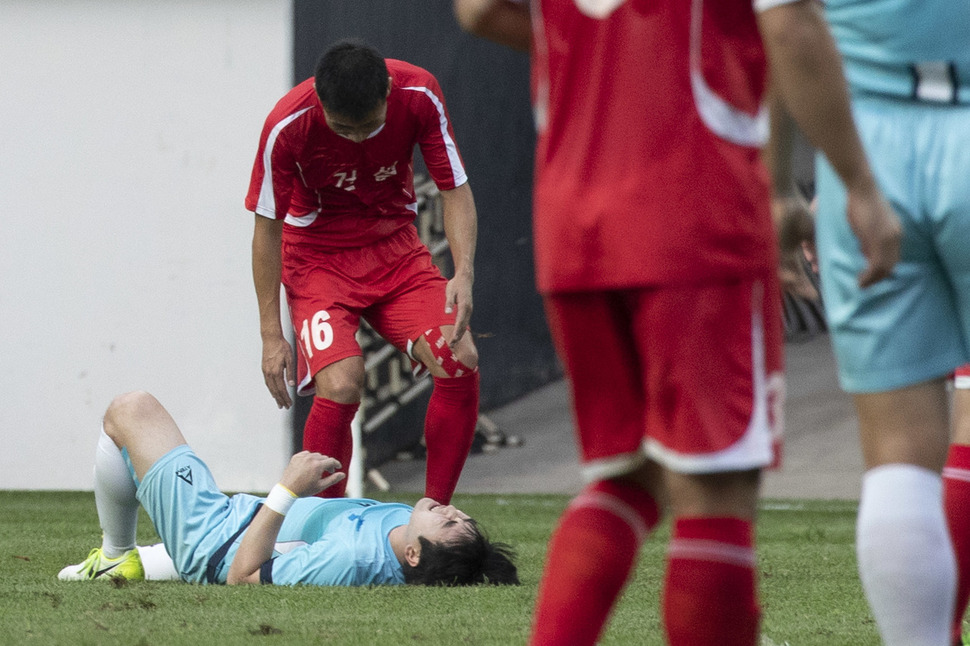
(351, 79)
(470, 560)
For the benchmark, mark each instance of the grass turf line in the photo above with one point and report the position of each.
(810, 592)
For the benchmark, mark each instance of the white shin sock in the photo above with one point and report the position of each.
(114, 496)
(906, 559)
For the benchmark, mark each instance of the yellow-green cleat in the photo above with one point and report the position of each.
(98, 566)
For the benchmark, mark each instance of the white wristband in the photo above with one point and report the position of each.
(280, 499)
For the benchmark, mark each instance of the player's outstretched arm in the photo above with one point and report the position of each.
(461, 229)
(806, 71)
(502, 21)
(277, 361)
(306, 474)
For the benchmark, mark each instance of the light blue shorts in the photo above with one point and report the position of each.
(195, 521)
(914, 326)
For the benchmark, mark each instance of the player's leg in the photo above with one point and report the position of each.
(335, 403)
(412, 317)
(952, 209)
(906, 558)
(710, 589)
(956, 493)
(595, 545)
(894, 342)
(138, 423)
(714, 391)
(452, 415)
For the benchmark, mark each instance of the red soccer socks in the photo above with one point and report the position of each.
(710, 587)
(591, 555)
(449, 428)
(327, 431)
(956, 505)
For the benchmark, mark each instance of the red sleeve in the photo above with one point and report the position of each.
(436, 137)
(274, 171)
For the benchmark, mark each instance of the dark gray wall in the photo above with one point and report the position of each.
(486, 88)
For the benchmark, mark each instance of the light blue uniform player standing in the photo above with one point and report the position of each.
(287, 538)
(908, 67)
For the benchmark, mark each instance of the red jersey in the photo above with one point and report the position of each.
(333, 192)
(650, 127)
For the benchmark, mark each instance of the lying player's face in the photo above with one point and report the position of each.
(438, 523)
(357, 131)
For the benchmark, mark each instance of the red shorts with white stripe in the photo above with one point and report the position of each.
(392, 284)
(689, 376)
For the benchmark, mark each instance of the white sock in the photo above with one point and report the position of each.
(906, 559)
(114, 496)
(157, 563)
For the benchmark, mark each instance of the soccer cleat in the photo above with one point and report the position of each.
(98, 566)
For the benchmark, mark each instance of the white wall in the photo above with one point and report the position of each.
(127, 134)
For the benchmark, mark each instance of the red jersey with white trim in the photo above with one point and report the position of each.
(650, 125)
(334, 192)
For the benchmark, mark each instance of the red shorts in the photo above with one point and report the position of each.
(689, 376)
(392, 284)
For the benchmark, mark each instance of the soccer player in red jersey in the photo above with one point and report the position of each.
(656, 257)
(333, 193)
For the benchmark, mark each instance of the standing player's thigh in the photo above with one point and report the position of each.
(904, 329)
(413, 304)
(325, 324)
(713, 374)
(948, 131)
(593, 336)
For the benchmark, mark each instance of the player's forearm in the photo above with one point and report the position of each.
(806, 71)
(778, 154)
(267, 269)
(256, 547)
(461, 228)
(501, 21)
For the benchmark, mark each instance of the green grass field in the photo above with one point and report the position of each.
(809, 587)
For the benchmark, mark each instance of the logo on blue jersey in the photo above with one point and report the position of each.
(185, 473)
(359, 518)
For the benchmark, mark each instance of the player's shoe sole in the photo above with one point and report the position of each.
(98, 566)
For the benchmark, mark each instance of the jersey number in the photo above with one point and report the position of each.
(318, 333)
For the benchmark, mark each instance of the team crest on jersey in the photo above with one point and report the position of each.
(385, 172)
(185, 473)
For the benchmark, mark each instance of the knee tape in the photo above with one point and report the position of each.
(443, 355)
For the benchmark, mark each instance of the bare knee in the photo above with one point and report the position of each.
(341, 381)
(729, 493)
(125, 410)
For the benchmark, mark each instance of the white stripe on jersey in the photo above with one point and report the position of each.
(457, 170)
(721, 118)
(266, 205)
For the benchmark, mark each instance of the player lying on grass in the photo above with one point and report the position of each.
(287, 538)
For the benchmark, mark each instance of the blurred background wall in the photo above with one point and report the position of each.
(128, 129)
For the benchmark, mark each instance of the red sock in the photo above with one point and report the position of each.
(591, 554)
(327, 431)
(449, 428)
(956, 504)
(710, 594)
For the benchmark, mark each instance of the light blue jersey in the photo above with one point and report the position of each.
(904, 48)
(321, 542)
(908, 65)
